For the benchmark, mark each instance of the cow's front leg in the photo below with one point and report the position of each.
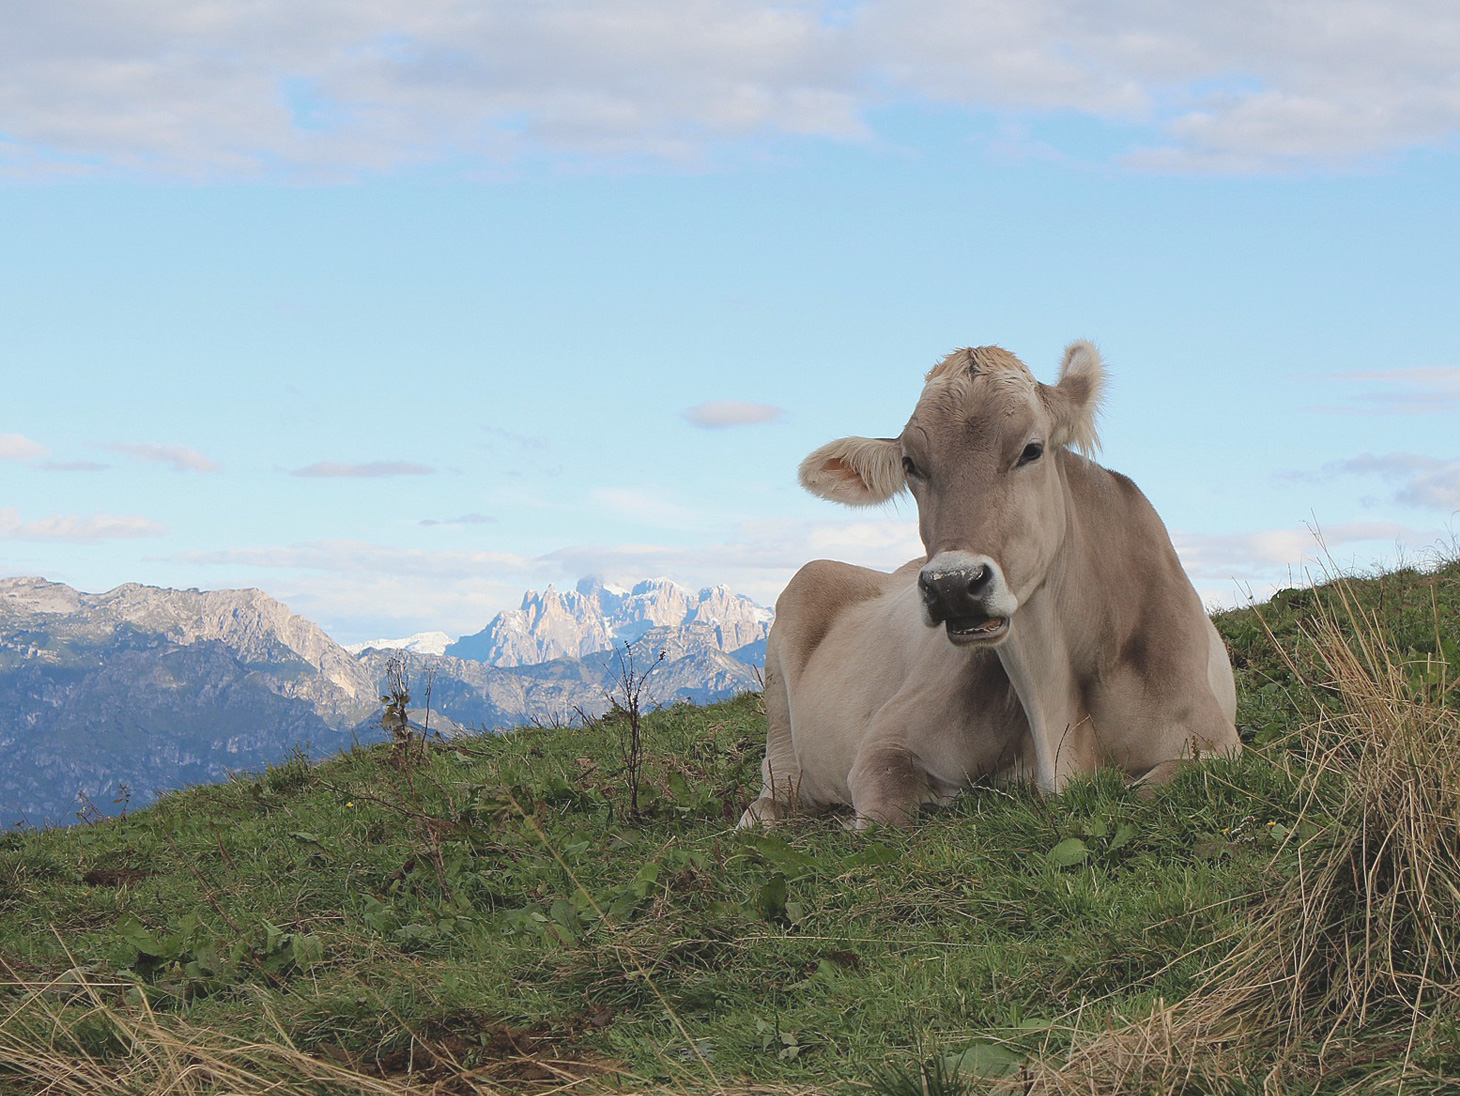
(888, 785)
(780, 772)
(1039, 668)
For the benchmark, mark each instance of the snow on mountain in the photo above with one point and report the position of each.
(596, 617)
(424, 643)
(147, 688)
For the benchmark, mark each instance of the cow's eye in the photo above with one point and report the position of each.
(910, 468)
(1032, 452)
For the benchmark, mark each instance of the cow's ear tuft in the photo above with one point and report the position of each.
(1075, 401)
(855, 471)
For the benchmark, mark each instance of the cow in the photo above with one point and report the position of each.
(1049, 630)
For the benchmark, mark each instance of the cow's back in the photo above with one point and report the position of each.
(1161, 661)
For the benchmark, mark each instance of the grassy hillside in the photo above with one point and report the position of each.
(491, 915)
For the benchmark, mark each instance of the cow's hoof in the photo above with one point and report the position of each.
(763, 812)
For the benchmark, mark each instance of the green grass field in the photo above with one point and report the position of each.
(488, 915)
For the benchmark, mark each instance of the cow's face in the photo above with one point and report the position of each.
(981, 455)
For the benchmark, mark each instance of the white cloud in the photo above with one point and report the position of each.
(180, 457)
(464, 519)
(66, 527)
(718, 414)
(1437, 488)
(360, 556)
(20, 447)
(72, 466)
(332, 469)
(1426, 483)
(1266, 557)
(337, 88)
(358, 590)
(757, 559)
(1418, 390)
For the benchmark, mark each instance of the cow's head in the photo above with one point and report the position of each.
(982, 457)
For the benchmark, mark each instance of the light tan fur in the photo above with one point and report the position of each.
(868, 708)
(853, 470)
(1108, 657)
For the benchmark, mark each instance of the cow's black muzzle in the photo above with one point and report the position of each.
(958, 598)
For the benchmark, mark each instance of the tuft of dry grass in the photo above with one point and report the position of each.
(80, 1035)
(1348, 976)
(75, 1035)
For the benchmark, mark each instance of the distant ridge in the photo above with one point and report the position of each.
(425, 643)
(598, 617)
(143, 689)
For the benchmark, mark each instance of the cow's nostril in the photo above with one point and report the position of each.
(928, 588)
(978, 580)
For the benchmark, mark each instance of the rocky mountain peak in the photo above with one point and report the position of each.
(595, 616)
(36, 595)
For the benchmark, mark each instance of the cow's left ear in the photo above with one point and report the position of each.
(1075, 401)
(855, 471)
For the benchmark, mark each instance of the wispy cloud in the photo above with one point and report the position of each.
(465, 519)
(1419, 390)
(719, 414)
(180, 457)
(358, 590)
(362, 588)
(653, 508)
(71, 466)
(335, 88)
(527, 443)
(1264, 555)
(757, 558)
(20, 447)
(327, 469)
(92, 527)
(360, 556)
(1427, 483)
(371, 589)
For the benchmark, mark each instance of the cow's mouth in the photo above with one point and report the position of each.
(966, 630)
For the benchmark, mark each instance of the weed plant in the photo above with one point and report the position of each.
(497, 917)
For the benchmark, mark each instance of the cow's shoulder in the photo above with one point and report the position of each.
(825, 585)
(1117, 513)
(816, 596)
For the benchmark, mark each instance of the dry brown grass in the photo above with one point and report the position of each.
(79, 1035)
(73, 1036)
(1348, 976)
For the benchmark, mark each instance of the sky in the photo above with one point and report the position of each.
(397, 309)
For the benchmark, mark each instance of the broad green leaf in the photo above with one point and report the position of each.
(1068, 853)
(984, 1059)
(770, 899)
(779, 853)
(1125, 833)
(132, 931)
(307, 950)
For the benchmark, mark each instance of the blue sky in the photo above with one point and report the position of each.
(395, 310)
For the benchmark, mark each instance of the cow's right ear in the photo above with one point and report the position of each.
(855, 471)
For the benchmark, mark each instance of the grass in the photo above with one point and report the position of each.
(496, 918)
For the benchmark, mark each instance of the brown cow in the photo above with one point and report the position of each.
(1049, 630)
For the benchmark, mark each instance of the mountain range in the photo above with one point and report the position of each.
(114, 697)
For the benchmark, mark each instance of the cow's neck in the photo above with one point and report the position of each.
(1043, 654)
